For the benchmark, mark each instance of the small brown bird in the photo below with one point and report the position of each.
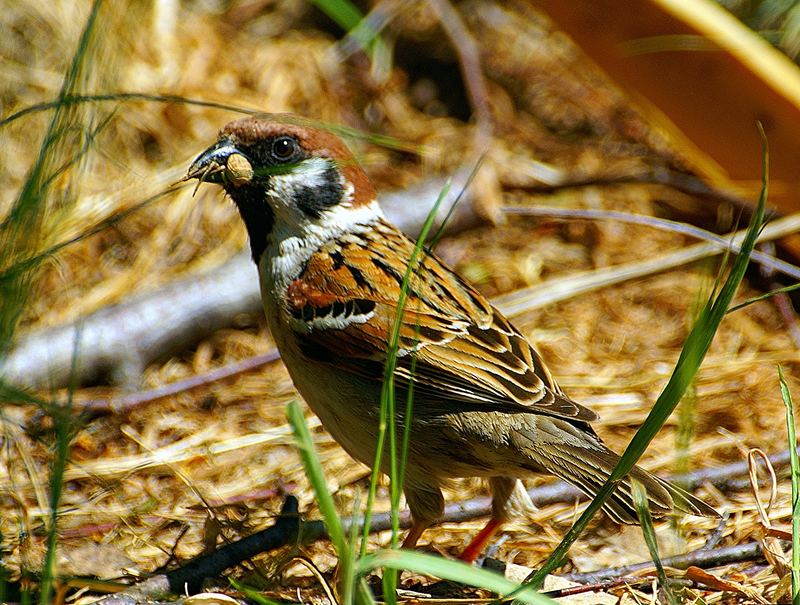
(331, 268)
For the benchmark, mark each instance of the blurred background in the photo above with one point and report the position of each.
(645, 107)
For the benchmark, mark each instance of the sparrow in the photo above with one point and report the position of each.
(331, 269)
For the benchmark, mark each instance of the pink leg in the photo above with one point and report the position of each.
(479, 542)
(414, 534)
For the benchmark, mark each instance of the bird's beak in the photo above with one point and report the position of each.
(210, 166)
(222, 164)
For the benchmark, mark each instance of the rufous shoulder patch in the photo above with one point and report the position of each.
(300, 294)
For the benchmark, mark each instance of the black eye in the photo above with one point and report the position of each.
(284, 148)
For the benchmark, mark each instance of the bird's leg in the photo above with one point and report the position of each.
(506, 492)
(426, 504)
(414, 534)
(479, 542)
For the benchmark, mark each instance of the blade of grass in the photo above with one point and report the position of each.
(70, 100)
(398, 466)
(691, 356)
(21, 228)
(388, 413)
(455, 571)
(770, 294)
(429, 248)
(347, 16)
(790, 427)
(62, 424)
(343, 12)
(639, 494)
(687, 405)
(351, 588)
(387, 394)
(21, 232)
(686, 428)
(313, 469)
(254, 595)
(414, 264)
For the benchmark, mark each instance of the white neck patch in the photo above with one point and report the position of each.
(295, 235)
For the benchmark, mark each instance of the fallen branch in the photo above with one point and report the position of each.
(119, 341)
(125, 403)
(188, 578)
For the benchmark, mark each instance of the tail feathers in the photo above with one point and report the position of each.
(588, 469)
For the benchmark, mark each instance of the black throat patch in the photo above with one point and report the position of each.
(257, 216)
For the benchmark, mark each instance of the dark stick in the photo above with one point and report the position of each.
(188, 579)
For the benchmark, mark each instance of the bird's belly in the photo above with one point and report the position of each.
(349, 408)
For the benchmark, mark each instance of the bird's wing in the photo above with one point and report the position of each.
(452, 343)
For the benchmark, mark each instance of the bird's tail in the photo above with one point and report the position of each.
(588, 463)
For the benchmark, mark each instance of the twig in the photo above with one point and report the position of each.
(587, 281)
(702, 558)
(680, 181)
(766, 260)
(188, 578)
(469, 60)
(124, 404)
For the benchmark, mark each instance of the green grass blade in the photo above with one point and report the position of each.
(123, 96)
(347, 16)
(790, 427)
(22, 228)
(351, 588)
(21, 233)
(313, 469)
(455, 571)
(254, 595)
(343, 12)
(646, 521)
(770, 294)
(62, 424)
(691, 356)
(387, 394)
(414, 264)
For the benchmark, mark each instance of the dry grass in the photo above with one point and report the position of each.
(157, 482)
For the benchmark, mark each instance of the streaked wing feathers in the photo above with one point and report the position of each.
(344, 305)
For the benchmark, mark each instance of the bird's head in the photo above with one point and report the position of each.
(286, 178)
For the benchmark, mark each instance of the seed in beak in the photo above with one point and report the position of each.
(238, 170)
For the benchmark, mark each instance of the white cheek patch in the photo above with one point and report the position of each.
(349, 192)
(308, 174)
